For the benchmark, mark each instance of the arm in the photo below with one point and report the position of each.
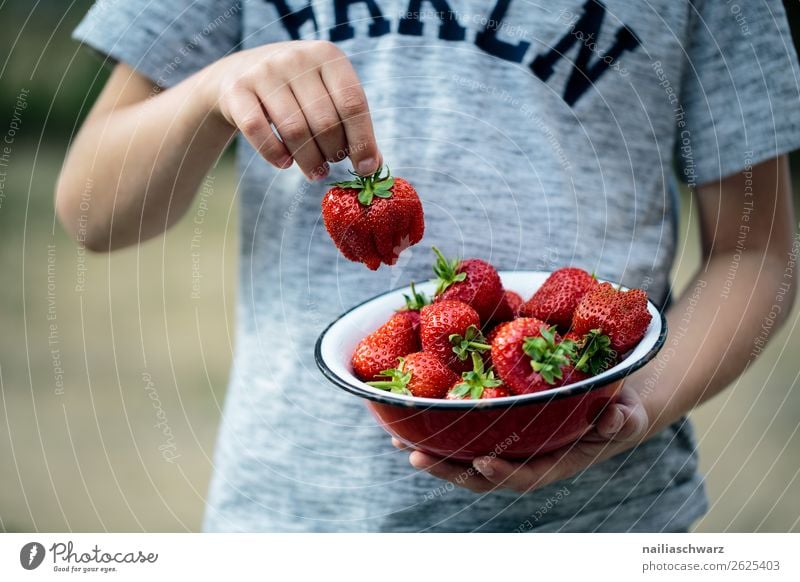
(142, 152)
(713, 329)
(737, 289)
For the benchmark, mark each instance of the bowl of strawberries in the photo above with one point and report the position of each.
(480, 362)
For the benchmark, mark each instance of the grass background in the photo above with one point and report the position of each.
(87, 458)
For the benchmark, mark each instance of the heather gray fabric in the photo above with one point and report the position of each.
(528, 160)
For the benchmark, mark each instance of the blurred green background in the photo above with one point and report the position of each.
(84, 455)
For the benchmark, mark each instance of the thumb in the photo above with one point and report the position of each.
(623, 422)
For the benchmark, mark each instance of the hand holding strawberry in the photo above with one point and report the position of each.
(526, 354)
(621, 426)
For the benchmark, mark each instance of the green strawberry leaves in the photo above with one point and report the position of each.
(594, 354)
(547, 356)
(474, 381)
(383, 188)
(398, 380)
(370, 186)
(446, 271)
(417, 300)
(471, 341)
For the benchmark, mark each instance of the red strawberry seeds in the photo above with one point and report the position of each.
(473, 281)
(555, 301)
(445, 325)
(380, 349)
(621, 315)
(372, 219)
(529, 356)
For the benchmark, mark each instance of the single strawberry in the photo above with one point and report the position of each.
(621, 315)
(555, 301)
(477, 383)
(473, 281)
(450, 330)
(418, 374)
(529, 356)
(372, 219)
(509, 307)
(378, 351)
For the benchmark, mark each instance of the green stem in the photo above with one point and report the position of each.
(383, 384)
(479, 346)
(584, 358)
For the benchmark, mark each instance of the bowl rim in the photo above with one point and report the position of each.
(558, 393)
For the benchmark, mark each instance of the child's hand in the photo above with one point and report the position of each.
(310, 93)
(622, 425)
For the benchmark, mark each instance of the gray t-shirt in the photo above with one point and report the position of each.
(538, 135)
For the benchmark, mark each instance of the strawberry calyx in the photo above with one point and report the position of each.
(446, 271)
(417, 300)
(547, 356)
(397, 382)
(472, 341)
(369, 186)
(475, 381)
(594, 353)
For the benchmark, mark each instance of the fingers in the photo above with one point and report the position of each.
(457, 474)
(321, 116)
(520, 477)
(399, 444)
(350, 101)
(290, 123)
(635, 423)
(310, 93)
(625, 420)
(610, 422)
(248, 115)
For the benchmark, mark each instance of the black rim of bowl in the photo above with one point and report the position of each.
(523, 400)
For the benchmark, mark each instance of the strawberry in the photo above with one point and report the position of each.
(555, 301)
(379, 350)
(508, 308)
(477, 383)
(529, 356)
(418, 374)
(450, 330)
(473, 281)
(621, 315)
(372, 219)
